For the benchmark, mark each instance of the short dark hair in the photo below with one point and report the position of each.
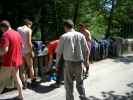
(5, 24)
(69, 23)
(27, 22)
(81, 24)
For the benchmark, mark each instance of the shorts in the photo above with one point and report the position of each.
(8, 81)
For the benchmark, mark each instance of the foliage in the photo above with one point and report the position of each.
(101, 16)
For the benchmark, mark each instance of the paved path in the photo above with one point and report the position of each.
(110, 79)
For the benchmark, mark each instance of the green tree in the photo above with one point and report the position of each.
(101, 16)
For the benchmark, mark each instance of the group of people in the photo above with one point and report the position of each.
(73, 47)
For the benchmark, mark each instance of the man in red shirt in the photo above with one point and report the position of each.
(51, 50)
(52, 55)
(11, 55)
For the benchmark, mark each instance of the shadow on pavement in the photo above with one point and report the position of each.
(126, 59)
(112, 96)
(14, 98)
(37, 88)
(42, 88)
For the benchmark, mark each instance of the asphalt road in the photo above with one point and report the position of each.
(109, 79)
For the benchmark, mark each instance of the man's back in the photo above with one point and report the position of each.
(74, 46)
(13, 57)
(24, 32)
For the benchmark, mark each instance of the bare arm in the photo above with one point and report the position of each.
(59, 50)
(50, 60)
(3, 51)
(30, 41)
(88, 35)
(86, 51)
(4, 45)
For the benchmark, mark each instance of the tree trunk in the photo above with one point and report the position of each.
(43, 25)
(110, 18)
(76, 11)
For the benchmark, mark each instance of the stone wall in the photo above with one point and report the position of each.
(129, 43)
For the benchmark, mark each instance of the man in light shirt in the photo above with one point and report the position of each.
(26, 34)
(73, 46)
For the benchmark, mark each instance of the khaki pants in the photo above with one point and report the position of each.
(73, 71)
(8, 81)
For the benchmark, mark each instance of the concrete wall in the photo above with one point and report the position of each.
(129, 45)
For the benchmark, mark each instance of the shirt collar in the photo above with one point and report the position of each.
(8, 30)
(72, 30)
